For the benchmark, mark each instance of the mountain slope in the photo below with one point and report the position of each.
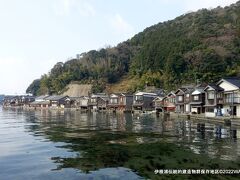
(200, 46)
(77, 90)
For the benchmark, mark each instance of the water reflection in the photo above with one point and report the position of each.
(101, 140)
(216, 140)
(212, 139)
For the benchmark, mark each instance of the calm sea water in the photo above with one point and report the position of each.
(47, 144)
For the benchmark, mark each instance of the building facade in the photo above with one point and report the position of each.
(143, 101)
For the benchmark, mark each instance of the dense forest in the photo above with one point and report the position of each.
(200, 46)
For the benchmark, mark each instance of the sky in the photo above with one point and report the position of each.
(35, 35)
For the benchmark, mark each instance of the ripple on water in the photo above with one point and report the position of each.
(31, 139)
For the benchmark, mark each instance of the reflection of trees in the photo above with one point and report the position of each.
(95, 153)
(99, 148)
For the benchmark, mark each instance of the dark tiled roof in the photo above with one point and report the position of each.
(183, 89)
(78, 98)
(104, 98)
(233, 80)
(41, 97)
(126, 94)
(9, 97)
(159, 92)
(171, 93)
(102, 95)
(189, 90)
(202, 85)
(39, 103)
(117, 94)
(55, 98)
(215, 87)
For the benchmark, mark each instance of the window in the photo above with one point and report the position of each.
(229, 98)
(171, 100)
(196, 98)
(210, 109)
(220, 95)
(121, 99)
(180, 98)
(210, 95)
(114, 101)
(138, 98)
(93, 100)
(187, 95)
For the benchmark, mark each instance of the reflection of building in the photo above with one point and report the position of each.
(221, 132)
(168, 125)
(158, 104)
(136, 125)
(92, 120)
(238, 134)
(121, 124)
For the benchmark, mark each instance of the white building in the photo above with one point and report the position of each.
(231, 96)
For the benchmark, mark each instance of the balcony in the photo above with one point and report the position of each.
(122, 103)
(232, 100)
(158, 104)
(210, 102)
(92, 103)
(113, 102)
(180, 99)
(220, 101)
(137, 103)
(186, 100)
(179, 102)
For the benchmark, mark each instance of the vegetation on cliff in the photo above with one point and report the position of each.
(199, 46)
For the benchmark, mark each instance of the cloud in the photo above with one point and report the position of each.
(62, 7)
(86, 9)
(65, 7)
(121, 26)
(13, 75)
(17, 73)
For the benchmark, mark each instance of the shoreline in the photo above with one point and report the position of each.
(195, 117)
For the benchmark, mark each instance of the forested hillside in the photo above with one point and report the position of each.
(199, 46)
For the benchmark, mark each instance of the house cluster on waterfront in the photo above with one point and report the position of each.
(214, 99)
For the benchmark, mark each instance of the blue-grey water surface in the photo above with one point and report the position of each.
(30, 146)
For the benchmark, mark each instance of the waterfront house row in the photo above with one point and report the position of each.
(211, 100)
(14, 101)
(141, 101)
(223, 98)
(214, 99)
